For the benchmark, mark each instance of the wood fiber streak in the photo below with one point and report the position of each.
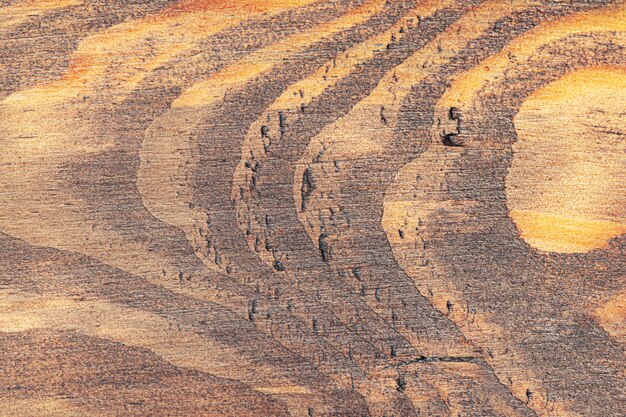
(313, 208)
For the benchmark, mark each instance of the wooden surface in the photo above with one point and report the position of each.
(312, 208)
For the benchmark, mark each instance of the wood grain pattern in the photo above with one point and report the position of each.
(313, 208)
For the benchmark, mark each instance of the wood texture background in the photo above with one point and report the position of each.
(312, 208)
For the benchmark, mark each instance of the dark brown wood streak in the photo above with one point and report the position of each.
(313, 208)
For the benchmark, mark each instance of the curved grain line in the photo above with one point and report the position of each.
(194, 319)
(20, 312)
(441, 290)
(37, 51)
(165, 178)
(362, 135)
(113, 379)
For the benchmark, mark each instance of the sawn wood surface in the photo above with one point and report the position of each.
(313, 208)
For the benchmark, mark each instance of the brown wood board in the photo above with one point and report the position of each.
(313, 208)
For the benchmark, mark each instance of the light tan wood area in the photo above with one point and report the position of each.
(566, 188)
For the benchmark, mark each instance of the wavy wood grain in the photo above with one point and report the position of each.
(312, 208)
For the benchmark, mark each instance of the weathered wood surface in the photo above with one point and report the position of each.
(312, 208)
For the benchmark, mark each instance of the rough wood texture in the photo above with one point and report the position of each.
(312, 208)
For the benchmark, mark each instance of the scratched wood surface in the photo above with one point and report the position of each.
(313, 208)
